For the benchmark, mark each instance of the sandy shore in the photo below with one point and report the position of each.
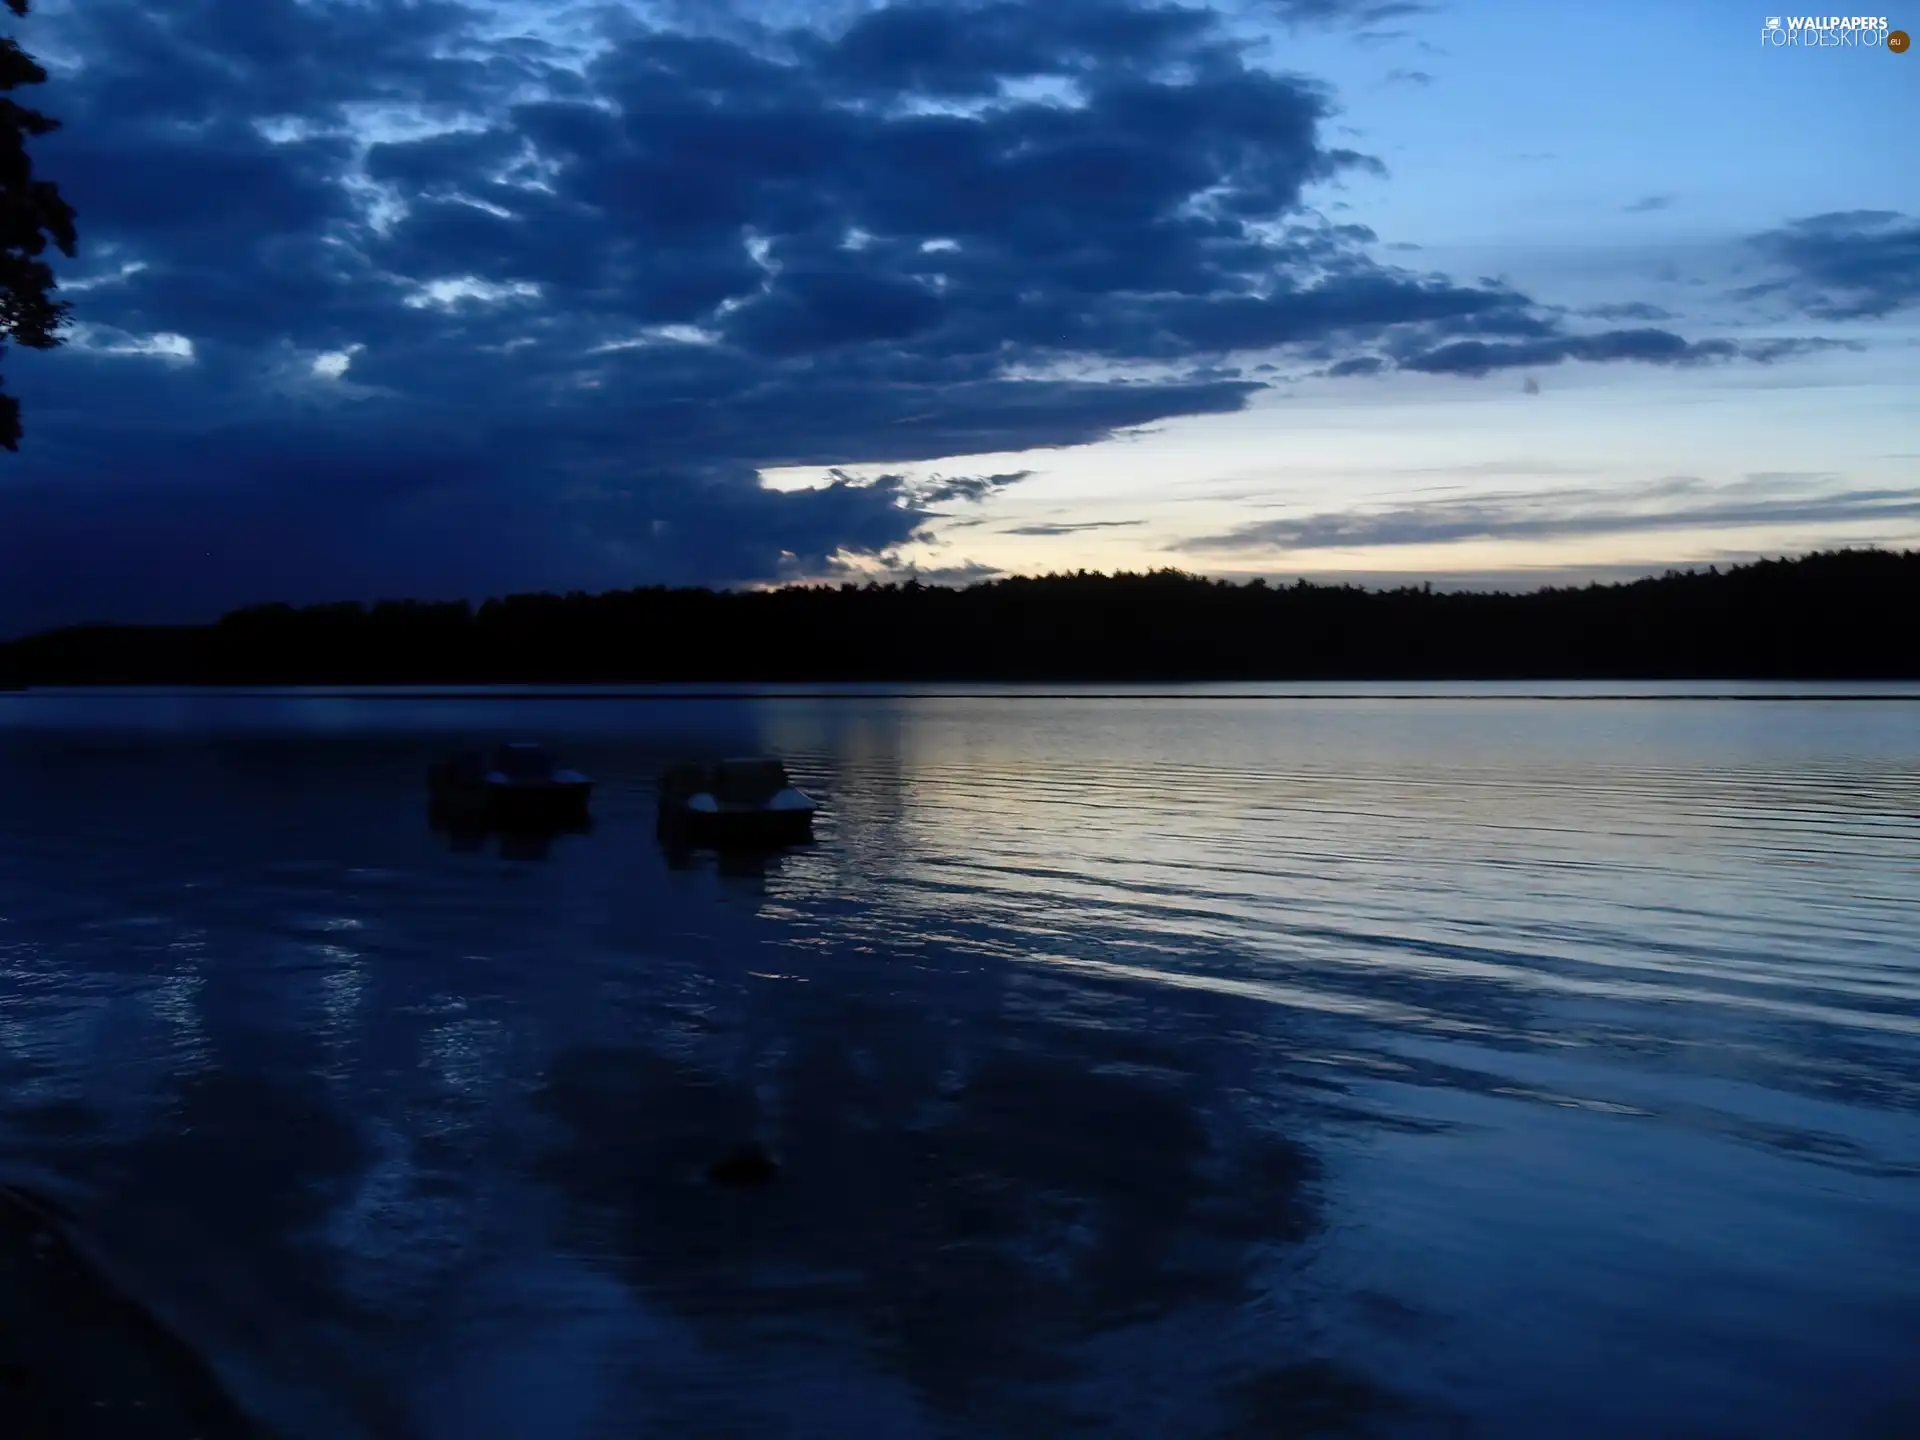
(79, 1359)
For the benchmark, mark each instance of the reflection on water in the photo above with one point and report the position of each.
(1146, 1068)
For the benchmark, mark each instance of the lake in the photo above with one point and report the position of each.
(1224, 1061)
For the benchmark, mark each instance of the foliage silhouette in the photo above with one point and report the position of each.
(1848, 614)
(31, 214)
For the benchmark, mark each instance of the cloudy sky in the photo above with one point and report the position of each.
(453, 297)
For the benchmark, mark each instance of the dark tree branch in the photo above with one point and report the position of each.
(32, 213)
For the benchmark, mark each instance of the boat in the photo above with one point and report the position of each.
(740, 802)
(523, 788)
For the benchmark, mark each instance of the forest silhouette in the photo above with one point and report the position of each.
(1846, 614)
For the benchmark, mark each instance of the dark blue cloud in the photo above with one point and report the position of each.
(957, 52)
(1652, 347)
(1628, 310)
(1846, 265)
(854, 236)
(193, 62)
(1366, 14)
(970, 487)
(1676, 503)
(1479, 357)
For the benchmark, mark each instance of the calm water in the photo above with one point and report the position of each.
(1153, 1067)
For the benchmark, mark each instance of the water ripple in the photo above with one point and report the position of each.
(1138, 1066)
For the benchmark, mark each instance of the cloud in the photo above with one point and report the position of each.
(1480, 469)
(1628, 310)
(484, 310)
(1072, 528)
(1653, 347)
(1513, 579)
(936, 489)
(970, 573)
(1366, 14)
(970, 487)
(893, 569)
(1845, 265)
(1678, 503)
(1479, 357)
(1649, 203)
(1418, 78)
(1530, 386)
(1794, 347)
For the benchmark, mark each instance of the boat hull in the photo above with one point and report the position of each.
(735, 829)
(534, 806)
(508, 807)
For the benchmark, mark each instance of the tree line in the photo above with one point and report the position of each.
(1838, 614)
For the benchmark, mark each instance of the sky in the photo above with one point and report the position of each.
(451, 298)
